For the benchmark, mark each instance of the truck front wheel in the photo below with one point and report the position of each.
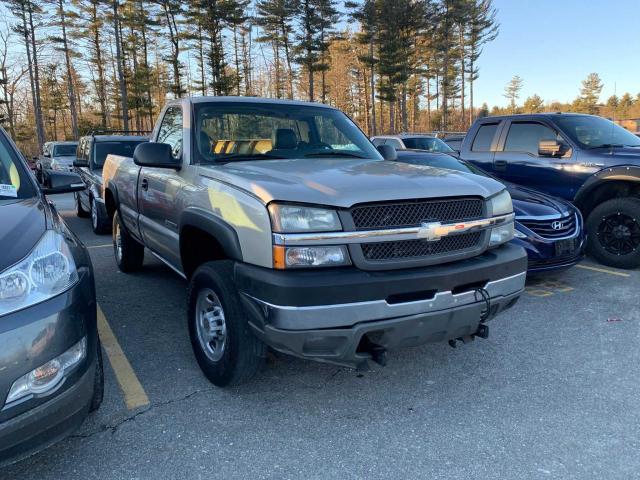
(226, 350)
(128, 252)
(614, 232)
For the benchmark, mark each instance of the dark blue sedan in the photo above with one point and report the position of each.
(551, 230)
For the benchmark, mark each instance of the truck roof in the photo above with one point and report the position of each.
(536, 115)
(266, 101)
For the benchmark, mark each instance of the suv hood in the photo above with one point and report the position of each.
(531, 203)
(23, 223)
(346, 182)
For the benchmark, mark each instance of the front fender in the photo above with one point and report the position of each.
(619, 173)
(214, 226)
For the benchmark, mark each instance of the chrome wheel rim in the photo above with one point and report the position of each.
(117, 241)
(94, 214)
(210, 324)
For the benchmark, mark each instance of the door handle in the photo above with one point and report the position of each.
(145, 184)
(500, 165)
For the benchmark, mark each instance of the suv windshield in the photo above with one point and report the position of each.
(431, 144)
(67, 150)
(14, 180)
(595, 132)
(227, 131)
(123, 148)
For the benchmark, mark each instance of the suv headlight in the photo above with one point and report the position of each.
(501, 204)
(300, 219)
(46, 272)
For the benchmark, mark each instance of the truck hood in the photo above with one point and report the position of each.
(346, 182)
(23, 223)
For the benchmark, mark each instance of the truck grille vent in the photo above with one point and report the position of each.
(408, 249)
(556, 228)
(413, 213)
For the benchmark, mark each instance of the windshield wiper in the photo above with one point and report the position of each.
(333, 153)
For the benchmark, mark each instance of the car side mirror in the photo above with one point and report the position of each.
(54, 181)
(549, 148)
(157, 155)
(80, 162)
(387, 152)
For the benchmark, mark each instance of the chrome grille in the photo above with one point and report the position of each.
(555, 228)
(413, 213)
(408, 249)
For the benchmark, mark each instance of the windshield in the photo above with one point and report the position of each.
(123, 148)
(67, 150)
(431, 144)
(227, 131)
(595, 132)
(440, 161)
(14, 180)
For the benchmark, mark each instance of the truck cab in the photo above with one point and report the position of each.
(585, 159)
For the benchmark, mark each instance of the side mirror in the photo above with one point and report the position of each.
(549, 148)
(387, 152)
(157, 155)
(61, 182)
(80, 162)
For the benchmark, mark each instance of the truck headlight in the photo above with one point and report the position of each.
(42, 380)
(501, 234)
(307, 257)
(46, 272)
(500, 204)
(298, 219)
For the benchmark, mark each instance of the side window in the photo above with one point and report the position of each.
(171, 130)
(378, 141)
(525, 137)
(395, 143)
(484, 137)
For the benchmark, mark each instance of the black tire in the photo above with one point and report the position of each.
(242, 354)
(613, 229)
(99, 221)
(130, 254)
(80, 211)
(98, 382)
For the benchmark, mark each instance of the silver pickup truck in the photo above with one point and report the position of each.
(296, 233)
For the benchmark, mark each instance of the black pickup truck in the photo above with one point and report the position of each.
(92, 152)
(586, 159)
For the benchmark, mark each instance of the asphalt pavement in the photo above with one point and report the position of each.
(551, 394)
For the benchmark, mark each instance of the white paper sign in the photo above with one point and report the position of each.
(8, 191)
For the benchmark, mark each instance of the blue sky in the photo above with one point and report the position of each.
(554, 44)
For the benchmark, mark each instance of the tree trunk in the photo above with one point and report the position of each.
(471, 112)
(287, 57)
(236, 58)
(462, 60)
(37, 106)
(373, 90)
(145, 59)
(120, 62)
(67, 58)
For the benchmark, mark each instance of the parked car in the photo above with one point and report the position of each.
(92, 152)
(294, 233)
(454, 141)
(418, 141)
(50, 360)
(551, 230)
(585, 159)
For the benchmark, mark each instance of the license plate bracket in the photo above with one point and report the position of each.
(565, 247)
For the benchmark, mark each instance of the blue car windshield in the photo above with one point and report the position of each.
(430, 144)
(595, 132)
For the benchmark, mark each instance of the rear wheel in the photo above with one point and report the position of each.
(80, 211)
(99, 222)
(224, 346)
(128, 252)
(614, 232)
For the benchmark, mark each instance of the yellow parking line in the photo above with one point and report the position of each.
(604, 270)
(134, 394)
(101, 246)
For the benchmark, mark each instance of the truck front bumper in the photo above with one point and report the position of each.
(336, 315)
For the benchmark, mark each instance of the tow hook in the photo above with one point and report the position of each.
(482, 332)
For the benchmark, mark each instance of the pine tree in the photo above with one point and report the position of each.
(590, 93)
(512, 92)
(533, 104)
